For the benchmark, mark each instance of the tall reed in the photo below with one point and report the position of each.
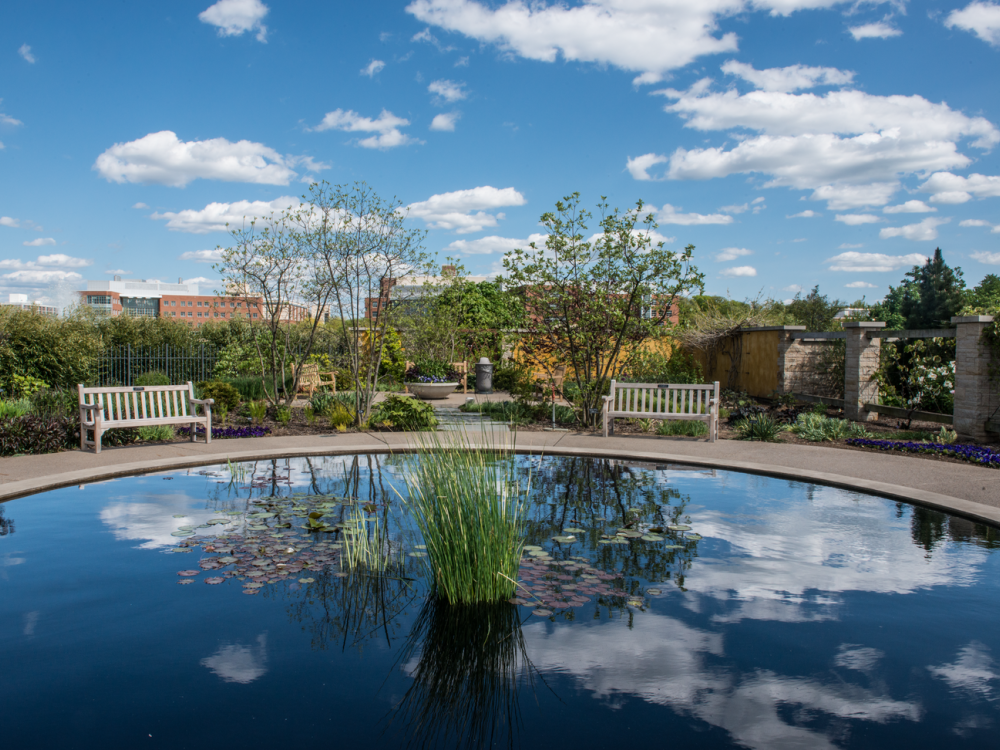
(471, 510)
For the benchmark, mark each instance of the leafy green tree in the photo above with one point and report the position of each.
(814, 311)
(937, 294)
(589, 304)
(986, 296)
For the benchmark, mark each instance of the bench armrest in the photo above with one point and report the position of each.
(91, 407)
(203, 401)
(607, 399)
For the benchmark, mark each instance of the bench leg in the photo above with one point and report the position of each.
(208, 424)
(194, 430)
(605, 424)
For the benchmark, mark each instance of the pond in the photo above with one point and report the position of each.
(226, 606)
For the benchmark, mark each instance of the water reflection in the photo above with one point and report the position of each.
(469, 667)
(239, 663)
(6, 524)
(973, 672)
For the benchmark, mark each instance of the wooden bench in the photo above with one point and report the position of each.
(103, 409)
(663, 401)
(548, 382)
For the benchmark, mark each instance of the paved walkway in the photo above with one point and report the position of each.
(968, 490)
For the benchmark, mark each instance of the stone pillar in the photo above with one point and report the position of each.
(972, 384)
(860, 386)
(788, 359)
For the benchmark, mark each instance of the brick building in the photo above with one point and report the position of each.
(180, 301)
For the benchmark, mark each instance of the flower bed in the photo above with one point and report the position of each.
(230, 432)
(977, 454)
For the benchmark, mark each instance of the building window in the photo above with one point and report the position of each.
(98, 299)
(140, 307)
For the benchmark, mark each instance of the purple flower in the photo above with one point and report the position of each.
(978, 454)
(230, 432)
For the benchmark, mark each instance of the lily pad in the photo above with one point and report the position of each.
(187, 572)
(307, 580)
(651, 538)
(185, 581)
(564, 539)
(570, 530)
(180, 515)
(252, 585)
(416, 554)
(542, 612)
(214, 581)
(654, 592)
(679, 527)
(695, 537)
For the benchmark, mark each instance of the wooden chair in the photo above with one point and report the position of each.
(549, 380)
(311, 379)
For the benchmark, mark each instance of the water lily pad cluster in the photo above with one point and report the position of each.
(548, 585)
(286, 538)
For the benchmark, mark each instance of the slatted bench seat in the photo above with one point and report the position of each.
(103, 409)
(663, 401)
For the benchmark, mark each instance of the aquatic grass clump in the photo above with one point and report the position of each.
(977, 454)
(471, 510)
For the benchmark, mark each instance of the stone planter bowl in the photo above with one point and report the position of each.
(428, 391)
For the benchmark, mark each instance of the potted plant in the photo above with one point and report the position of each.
(431, 379)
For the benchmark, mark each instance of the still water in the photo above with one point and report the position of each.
(658, 605)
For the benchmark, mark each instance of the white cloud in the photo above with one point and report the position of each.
(8, 120)
(201, 280)
(874, 262)
(739, 271)
(203, 256)
(952, 188)
(849, 147)
(215, 216)
(118, 272)
(910, 207)
(462, 62)
(792, 78)
(982, 19)
(386, 126)
(40, 242)
(807, 214)
(372, 68)
(974, 223)
(235, 17)
(639, 166)
(849, 246)
(877, 30)
(670, 215)
(140, 204)
(65, 261)
(991, 259)
(7, 221)
(445, 121)
(794, 288)
(922, 231)
(450, 91)
(742, 208)
(46, 270)
(646, 38)
(25, 51)
(860, 285)
(465, 210)
(162, 159)
(853, 220)
(731, 253)
(493, 244)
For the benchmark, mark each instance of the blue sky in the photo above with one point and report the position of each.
(793, 142)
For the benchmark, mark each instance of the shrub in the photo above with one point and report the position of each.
(225, 395)
(760, 427)
(156, 434)
(250, 388)
(283, 414)
(153, 377)
(510, 376)
(512, 412)
(257, 410)
(14, 408)
(25, 386)
(404, 413)
(53, 402)
(654, 367)
(685, 427)
(29, 434)
(818, 428)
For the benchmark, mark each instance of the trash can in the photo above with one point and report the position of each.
(484, 376)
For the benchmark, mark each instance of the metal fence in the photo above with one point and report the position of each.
(122, 365)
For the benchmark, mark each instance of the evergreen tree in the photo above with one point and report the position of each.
(814, 311)
(940, 294)
(986, 296)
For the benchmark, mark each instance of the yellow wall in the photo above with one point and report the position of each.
(664, 345)
(758, 373)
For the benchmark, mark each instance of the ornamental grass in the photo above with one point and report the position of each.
(471, 509)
